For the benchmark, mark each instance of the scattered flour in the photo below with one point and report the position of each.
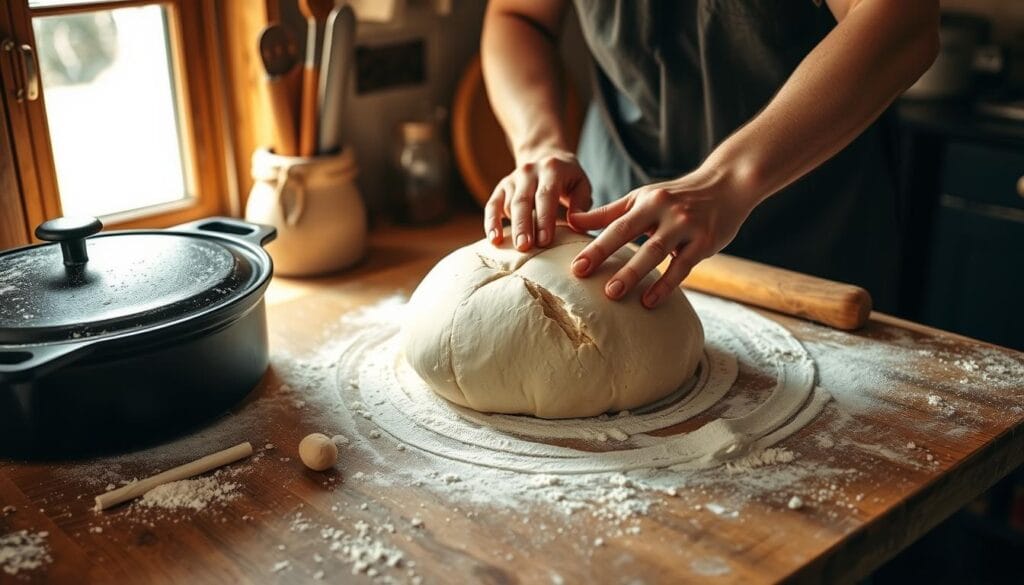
(720, 510)
(941, 405)
(611, 504)
(710, 567)
(364, 548)
(858, 373)
(825, 441)
(473, 457)
(398, 403)
(23, 550)
(867, 375)
(769, 456)
(194, 494)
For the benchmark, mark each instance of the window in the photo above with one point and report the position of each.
(114, 110)
(117, 64)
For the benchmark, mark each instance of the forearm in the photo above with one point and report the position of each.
(877, 50)
(520, 72)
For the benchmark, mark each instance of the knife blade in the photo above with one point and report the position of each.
(336, 63)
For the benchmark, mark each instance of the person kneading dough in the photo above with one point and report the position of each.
(498, 330)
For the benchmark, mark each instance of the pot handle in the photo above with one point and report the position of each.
(18, 363)
(231, 228)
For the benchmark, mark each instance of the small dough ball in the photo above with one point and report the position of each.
(318, 452)
(498, 330)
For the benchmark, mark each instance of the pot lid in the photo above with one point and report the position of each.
(115, 282)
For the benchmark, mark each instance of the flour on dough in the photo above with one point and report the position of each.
(498, 330)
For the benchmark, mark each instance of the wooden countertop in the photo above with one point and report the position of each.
(922, 422)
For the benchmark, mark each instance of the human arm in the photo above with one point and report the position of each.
(877, 49)
(518, 52)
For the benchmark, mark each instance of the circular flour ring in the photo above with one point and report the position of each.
(390, 394)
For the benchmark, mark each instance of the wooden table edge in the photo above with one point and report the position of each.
(854, 558)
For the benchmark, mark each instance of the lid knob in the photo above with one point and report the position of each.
(70, 232)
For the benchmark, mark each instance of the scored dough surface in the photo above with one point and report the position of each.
(497, 330)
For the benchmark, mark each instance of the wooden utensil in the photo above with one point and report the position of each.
(280, 56)
(316, 12)
(197, 467)
(843, 306)
(339, 37)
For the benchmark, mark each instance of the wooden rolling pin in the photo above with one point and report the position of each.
(843, 306)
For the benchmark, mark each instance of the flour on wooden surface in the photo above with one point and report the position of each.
(24, 550)
(613, 505)
(387, 392)
(481, 458)
(861, 373)
(766, 473)
(769, 456)
(943, 407)
(367, 549)
(194, 494)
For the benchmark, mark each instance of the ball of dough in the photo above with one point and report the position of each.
(497, 330)
(318, 452)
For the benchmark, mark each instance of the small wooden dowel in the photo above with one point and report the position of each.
(139, 488)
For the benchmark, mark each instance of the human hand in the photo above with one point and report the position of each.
(689, 219)
(538, 186)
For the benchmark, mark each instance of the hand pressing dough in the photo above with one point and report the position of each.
(318, 452)
(497, 330)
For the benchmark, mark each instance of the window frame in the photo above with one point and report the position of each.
(202, 101)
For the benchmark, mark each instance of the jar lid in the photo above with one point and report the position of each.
(80, 286)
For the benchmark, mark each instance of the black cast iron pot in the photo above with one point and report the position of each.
(110, 341)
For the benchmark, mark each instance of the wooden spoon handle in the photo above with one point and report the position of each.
(843, 306)
(308, 122)
(283, 111)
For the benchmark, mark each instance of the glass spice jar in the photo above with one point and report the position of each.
(425, 168)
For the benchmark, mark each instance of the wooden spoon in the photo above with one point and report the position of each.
(316, 12)
(280, 56)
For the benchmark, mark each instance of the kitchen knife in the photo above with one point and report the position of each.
(339, 38)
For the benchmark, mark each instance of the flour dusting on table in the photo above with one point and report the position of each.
(474, 463)
(386, 391)
(616, 471)
(194, 494)
(23, 550)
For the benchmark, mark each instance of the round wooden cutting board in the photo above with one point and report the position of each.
(481, 148)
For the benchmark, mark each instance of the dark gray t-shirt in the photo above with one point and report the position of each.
(674, 78)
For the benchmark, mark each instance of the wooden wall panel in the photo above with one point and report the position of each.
(13, 222)
(241, 22)
(13, 225)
